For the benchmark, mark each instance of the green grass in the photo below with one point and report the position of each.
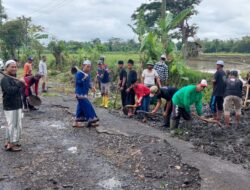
(226, 54)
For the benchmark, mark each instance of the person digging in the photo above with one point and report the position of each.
(183, 99)
(165, 93)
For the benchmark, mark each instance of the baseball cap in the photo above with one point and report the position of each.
(30, 58)
(153, 90)
(87, 62)
(220, 62)
(164, 56)
(203, 83)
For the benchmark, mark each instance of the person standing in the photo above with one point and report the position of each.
(105, 85)
(27, 69)
(44, 72)
(150, 77)
(162, 69)
(31, 81)
(122, 82)
(165, 93)
(233, 97)
(183, 99)
(98, 74)
(132, 78)
(84, 107)
(12, 106)
(216, 103)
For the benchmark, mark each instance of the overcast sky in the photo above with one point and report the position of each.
(88, 19)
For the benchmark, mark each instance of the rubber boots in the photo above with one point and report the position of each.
(173, 124)
(103, 101)
(188, 124)
(106, 102)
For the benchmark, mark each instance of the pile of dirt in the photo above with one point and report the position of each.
(232, 144)
(151, 160)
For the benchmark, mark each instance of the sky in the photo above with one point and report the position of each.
(84, 20)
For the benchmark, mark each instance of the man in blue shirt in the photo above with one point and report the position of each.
(105, 85)
(85, 110)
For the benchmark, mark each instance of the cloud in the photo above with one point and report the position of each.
(88, 19)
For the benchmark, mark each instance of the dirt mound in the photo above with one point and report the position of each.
(151, 160)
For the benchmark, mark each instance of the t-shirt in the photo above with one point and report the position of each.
(132, 77)
(219, 85)
(43, 68)
(27, 69)
(167, 93)
(234, 87)
(141, 90)
(149, 77)
(122, 75)
(104, 76)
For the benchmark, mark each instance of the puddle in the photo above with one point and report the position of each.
(111, 184)
(73, 149)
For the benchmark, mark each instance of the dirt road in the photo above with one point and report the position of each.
(121, 154)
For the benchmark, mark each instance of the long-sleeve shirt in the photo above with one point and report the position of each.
(187, 96)
(141, 91)
(43, 68)
(83, 84)
(30, 81)
(11, 94)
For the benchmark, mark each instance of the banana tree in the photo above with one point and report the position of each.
(166, 25)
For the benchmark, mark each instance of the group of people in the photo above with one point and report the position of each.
(16, 94)
(135, 95)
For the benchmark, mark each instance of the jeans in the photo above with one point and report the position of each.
(145, 104)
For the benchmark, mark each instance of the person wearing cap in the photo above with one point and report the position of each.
(233, 97)
(131, 79)
(30, 81)
(143, 99)
(84, 110)
(12, 106)
(44, 72)
(149, 76)
(27, 69)
(216, 103)
(183, 99)
(162, 69)
(105, 85)
(122, 82)
(165, 93)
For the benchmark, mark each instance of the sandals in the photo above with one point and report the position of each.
(13, 149)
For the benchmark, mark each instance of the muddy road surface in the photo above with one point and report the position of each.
(121, 154)
(56, 156)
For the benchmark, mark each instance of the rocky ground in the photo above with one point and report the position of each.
(56, 156)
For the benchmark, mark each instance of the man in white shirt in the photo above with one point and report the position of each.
(44, 72)
(150, 77)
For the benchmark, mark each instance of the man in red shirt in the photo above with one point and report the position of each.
(143, 99)
(30, 81)
(27, 69)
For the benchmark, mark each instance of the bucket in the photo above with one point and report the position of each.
(34, 100)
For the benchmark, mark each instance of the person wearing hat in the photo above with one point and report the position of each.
(122, 82)
(84, 110)
(165, 93)
(30, 81)
(233, 97)
(162, 69)
(149, 76)
(27, 69)
(12, 106)
(183, 99)
(216, 103)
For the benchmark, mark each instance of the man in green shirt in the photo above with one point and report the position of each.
(183, 99)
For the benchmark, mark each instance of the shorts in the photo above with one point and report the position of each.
(232, 103)
(216, 104)
(44, 79)
(105, 88)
